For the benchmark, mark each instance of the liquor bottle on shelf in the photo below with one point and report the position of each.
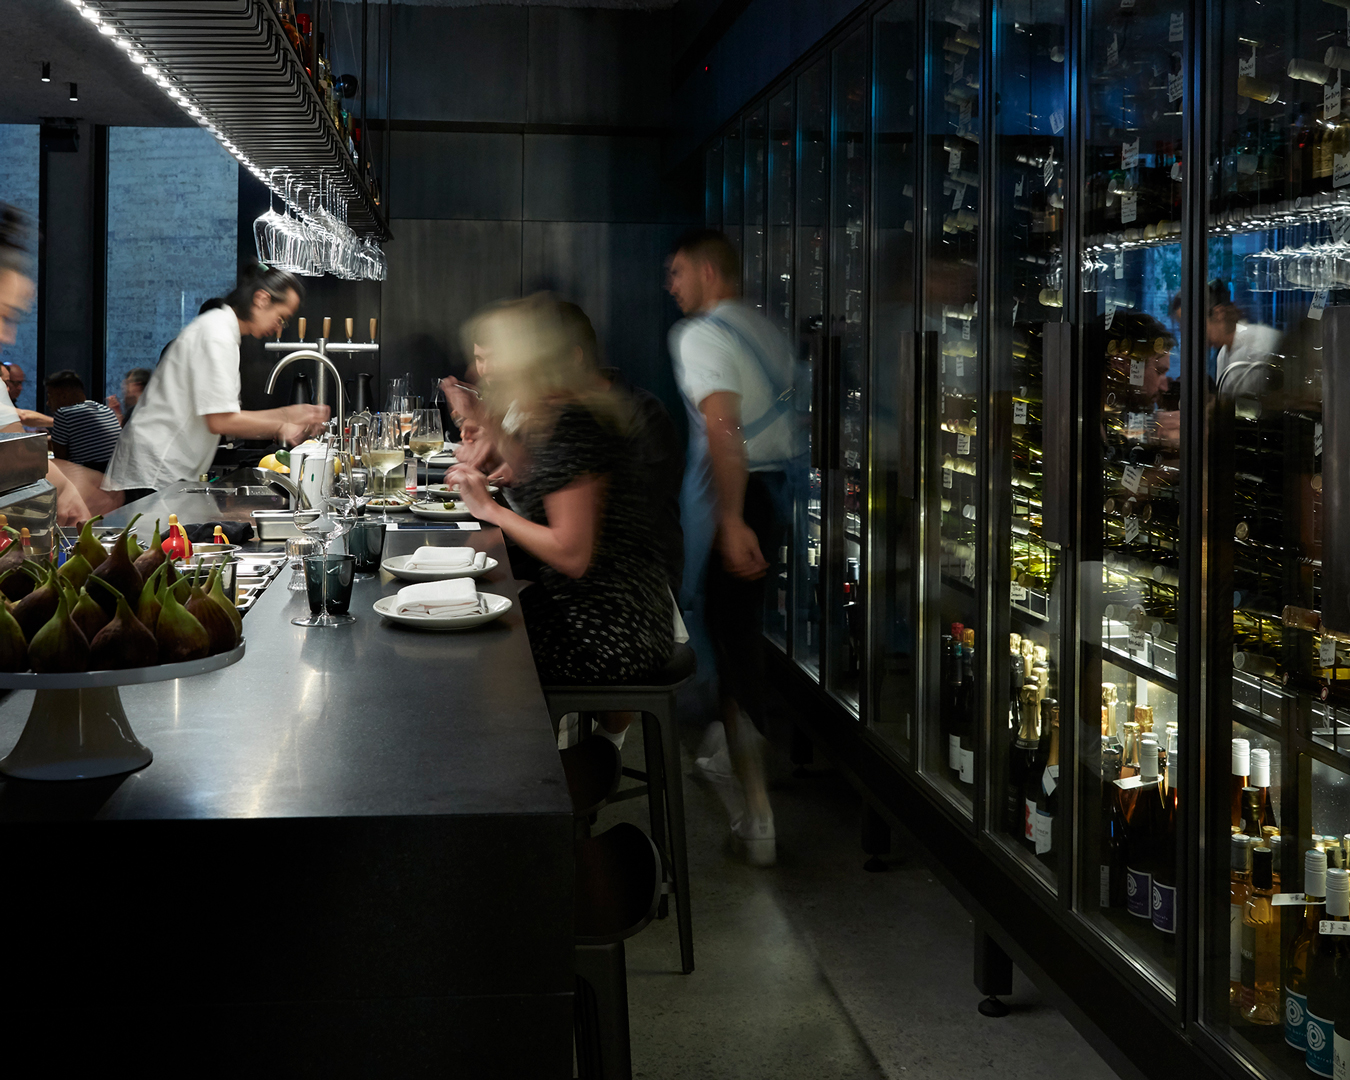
(953, 698)
(1260, 1002)
(1260, 780)
(1113, 842)
(1327, 974)
(1142, 827)
(1239, 888)
(1300, 950)
(966, 716)
(1241, 771)
(1047, 800)
(1164, 892)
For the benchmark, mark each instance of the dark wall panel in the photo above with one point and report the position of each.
(440, 273)
(616, 273)
(466, 63)
(455, 174)
(70, 306)
(593, 178)
(570, 83)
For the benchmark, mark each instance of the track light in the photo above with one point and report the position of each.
(74, 92)
(46, 71)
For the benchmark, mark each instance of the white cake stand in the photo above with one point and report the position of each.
(77, 729)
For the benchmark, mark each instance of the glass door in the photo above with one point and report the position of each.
(778, 293)
(756, 164)
(810, 281)
(951, 260)
(1029, 421)
(1277, 327)
(846, 360)
(894, 484)
(712, 200)
(733, 185)
(1133, 562)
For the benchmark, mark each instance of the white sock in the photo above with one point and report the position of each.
(617, 740)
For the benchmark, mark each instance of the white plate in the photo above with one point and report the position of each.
(390, 508)
(436, 512)
(395, 564)
(496, 607)
(446, 489)
(445, 457)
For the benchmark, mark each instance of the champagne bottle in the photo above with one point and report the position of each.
(1113, 850)
(1164, 884)
(1241, 770)
(1029, 745)
(1260, 777)
(1021, 753)
(1300, 951)
(1261, 945)
(1047, 803)
(1239, 887)
(1330, 954)
(1142, 827)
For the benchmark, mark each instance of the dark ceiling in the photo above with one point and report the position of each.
(112, 90)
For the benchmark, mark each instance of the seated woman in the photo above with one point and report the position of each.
(599, 610)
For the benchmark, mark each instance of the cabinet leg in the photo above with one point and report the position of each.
(876, 840)
(993, 974)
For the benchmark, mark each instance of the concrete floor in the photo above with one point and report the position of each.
(817, 969)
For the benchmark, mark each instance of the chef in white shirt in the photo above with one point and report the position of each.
(193, 398)
(16, 297)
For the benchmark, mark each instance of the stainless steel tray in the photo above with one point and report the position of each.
(274, 524)
(23, 459)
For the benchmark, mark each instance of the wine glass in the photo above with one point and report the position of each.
(384, 453)
(324, 510)
(427, 437)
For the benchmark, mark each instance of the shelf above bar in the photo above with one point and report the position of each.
(229, 65)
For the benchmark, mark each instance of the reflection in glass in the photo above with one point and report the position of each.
(752, 254)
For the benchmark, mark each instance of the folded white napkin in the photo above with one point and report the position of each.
(441, 558)
(437, 599)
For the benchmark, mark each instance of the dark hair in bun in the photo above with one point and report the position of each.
(13, 239)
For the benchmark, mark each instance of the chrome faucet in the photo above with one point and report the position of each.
(310, 354)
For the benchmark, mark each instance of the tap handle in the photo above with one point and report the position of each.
(372, 329)
(303, 320)
(350, 324)
(327, 327)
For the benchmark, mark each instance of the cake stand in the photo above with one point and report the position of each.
(77, 729)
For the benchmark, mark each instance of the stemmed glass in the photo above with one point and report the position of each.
(324, 510)
(427, 437)
(384, 453)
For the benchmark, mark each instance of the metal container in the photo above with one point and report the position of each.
(209, 554)
(23, 459)
(274, 524)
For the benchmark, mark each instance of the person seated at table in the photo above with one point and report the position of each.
(488, 436)
(600, 609)
(84, 432)
(133, 386)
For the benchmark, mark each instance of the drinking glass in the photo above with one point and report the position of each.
(324, 510)
(1259, 270)
(385, 453)
(427, 436)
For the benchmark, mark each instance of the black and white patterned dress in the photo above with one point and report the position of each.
(614, 623)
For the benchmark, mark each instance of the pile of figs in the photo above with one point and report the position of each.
(120, 608)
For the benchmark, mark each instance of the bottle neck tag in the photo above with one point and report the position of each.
(1288, 899)
(1129, 782)
(1334, 927)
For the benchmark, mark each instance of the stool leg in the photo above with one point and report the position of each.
(656, 787)
(670, 745)
(604, 970)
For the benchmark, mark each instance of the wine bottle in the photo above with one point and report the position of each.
(1113, 849)
(1047, 803)
(966, 716)
(1260, 1001)
(1029, 747)
(1241, 771)
(1260, 777)
(1330, 953)
(1021, 755)
(1300, 951)
(953, 698)
(1239, 887)
(1164, 892)
(1141, 832)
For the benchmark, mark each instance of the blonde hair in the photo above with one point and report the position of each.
(534, 360)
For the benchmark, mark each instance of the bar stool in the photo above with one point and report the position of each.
(594, 768)
(618, 887)
(660, 736)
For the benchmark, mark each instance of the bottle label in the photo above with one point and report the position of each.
(1248, 965)
(1028, 822)
(1138, 892)
(1285, 899)
(1106, 886)
(1296, 1019)
(1335, 927)
(1234, 943)
(953, 751)
(1340, 1056)
(1042, 831)
(1165, 908)
(1320, 1034)
(967, 766)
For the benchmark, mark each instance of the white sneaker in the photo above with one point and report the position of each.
(756, 838)
(569, 733)
(715, 768)
(714, 739)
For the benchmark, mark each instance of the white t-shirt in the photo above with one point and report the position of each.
(1245, 368)
(168, 439)
(710, 358)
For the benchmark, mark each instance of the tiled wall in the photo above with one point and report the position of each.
(19, 187)
(172, 214)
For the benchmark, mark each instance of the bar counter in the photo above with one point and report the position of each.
(351, 855)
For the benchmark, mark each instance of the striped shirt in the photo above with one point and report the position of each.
(89, 432)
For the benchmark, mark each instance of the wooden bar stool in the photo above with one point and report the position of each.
(618, 886)
(663, 780)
